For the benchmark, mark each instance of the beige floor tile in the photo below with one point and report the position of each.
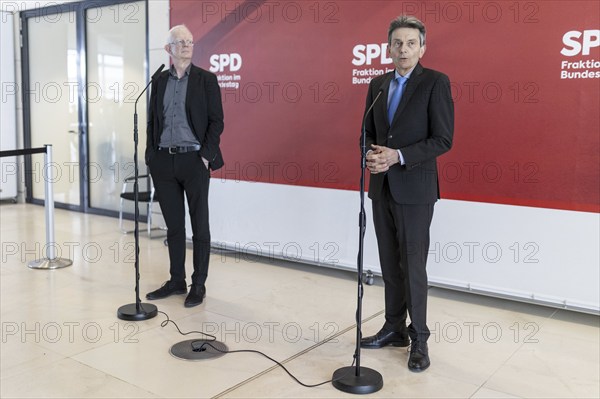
(558, 364)
(68, 378)
(319, 364)
(484, 393)
(149, 363)
(61, 336)
(472, 336)
(22, 356)
(300, 303)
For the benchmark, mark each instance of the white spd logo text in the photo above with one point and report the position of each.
(218, 62)
(577, 42)
(364, 54)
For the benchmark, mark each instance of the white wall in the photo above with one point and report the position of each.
(529, 254)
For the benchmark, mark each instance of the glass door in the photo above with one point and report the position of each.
(84, 64)
(51, 97)
(116, 65)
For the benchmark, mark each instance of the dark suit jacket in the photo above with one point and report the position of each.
(422, 129)
(204, 114)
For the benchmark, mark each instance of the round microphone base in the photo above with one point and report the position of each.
(131, 312)
(367, 381)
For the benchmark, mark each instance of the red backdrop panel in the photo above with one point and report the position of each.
(525, 80)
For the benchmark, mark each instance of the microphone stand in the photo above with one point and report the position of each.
(355, 379)
(135, 311)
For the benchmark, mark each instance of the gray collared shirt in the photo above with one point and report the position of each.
(177, 131)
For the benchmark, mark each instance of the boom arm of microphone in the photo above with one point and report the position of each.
(363, 143)
(158, 71)
(154, 76)
(372, 105)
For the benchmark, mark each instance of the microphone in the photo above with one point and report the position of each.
(158, 71)
(152, 79)
(373, 103)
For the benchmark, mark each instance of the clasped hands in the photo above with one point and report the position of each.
(380, 159)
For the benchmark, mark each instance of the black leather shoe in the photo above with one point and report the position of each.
(385, 338)
(196, 295)
(419, 356)
(169, 288)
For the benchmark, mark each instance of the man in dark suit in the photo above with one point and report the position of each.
(410, 125)
(185, 122)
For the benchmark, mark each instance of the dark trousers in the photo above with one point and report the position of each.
(403, 240)
(173, 175)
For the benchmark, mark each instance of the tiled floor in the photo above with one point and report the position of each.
(61, 337)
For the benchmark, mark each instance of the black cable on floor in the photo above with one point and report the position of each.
(202, 347)
(166, 322)
(204, 344)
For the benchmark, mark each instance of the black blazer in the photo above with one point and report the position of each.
(204, 114)
(422, 129)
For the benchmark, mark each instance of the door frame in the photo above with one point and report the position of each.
(79, 8)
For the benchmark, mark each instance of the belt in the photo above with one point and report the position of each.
(180, 150)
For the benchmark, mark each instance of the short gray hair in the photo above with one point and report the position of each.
(175, 29)
(407, 21)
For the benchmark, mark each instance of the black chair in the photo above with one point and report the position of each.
(148, 197)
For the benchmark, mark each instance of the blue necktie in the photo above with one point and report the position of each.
(396, 96)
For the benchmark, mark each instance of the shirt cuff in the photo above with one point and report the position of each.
(400, 158)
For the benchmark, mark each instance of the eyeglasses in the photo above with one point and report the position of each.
(182, 43)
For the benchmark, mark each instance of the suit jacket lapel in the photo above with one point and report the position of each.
(409, 90)
(161, 88)
(192, 84)
(383, 102)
